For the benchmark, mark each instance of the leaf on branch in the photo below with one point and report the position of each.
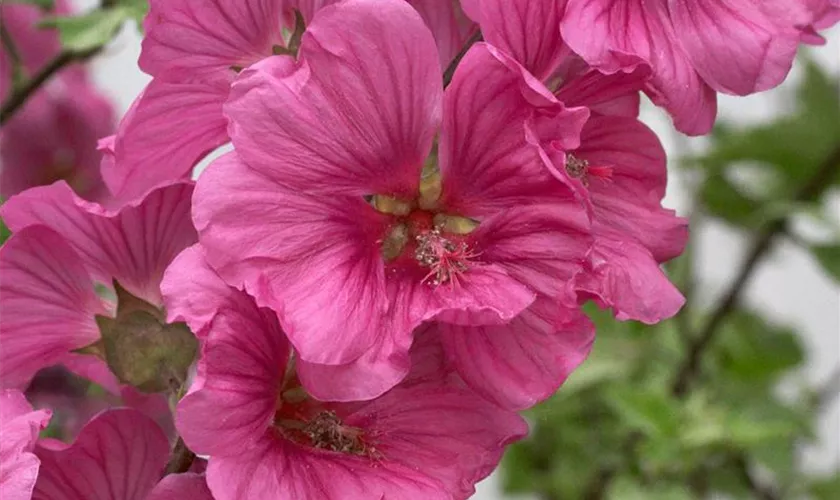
(88, 31)
(829, 258)
(654, 413)
(43, 4)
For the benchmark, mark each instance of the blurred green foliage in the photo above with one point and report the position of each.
(618, 430)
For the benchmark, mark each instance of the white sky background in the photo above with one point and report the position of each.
(789, 286)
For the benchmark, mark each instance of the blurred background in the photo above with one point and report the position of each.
(758, 415)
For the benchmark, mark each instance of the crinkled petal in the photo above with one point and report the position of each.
(613, 34)
(119, 455)
(244, 360)
(734, 45)
(527, 30)
(356, 116)
(187, 486)
(275, 469)
(626, 278)
(194, 293)
(19, 427)
(48, 304)
(615, 94)
(205, 40)
(486, 161)
(520, 364)
(168, 129)
(133, 245)
(449, 25)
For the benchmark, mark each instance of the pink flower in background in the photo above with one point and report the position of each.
(53, 136)
(322, 214)
(61, 248)
(19, 428)
(194, 50)
(696, 47)
(119, 455)
(427, 438)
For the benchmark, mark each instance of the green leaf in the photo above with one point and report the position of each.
(141, 349)
(137, 9)
(628, 488)
(654, 413)
(43, 4)
(826, 488)
(88, 31)
(4, 232)
(723, 199)
(829, 257)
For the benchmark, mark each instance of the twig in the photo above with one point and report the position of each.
(20, 94)
(181, 459)
(761, 244)
(450, 70)
(14, 55)
(759, 490)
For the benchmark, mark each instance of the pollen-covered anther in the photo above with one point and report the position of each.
(579, 168)
(326, 431)
(446, 259)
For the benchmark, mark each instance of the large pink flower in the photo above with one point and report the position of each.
(119, 455)
(19, 428)
(427, 438)
(194, 49)
(326, 213)
(53, 136)
(618, 169)
(696, 47)
(62, 248)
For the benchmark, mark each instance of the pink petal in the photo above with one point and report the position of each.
(19, 429)
(119, 455)
(614, 94)
(244, 361)
(176, 486)
(194, 293)
(48, 304)
(520, 364)
(626, 278)
(450, 27)
(541, 246)
(735, 46)
(168, 129)
(630, 200)
(527, 30)
(443, 431)
(613, 34)
(314, 260)
(486, 161)
(133, 245)
(204, 40)
(276, 469)
(356, 116)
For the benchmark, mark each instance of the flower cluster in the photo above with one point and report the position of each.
(358, 299)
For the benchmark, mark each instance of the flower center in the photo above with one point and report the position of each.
(580, 169)
(312, 423)
(424, 236)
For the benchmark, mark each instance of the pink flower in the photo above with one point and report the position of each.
(321, 213)
(62, 247)
(119, 455)
(618, 169)
(427, 438)
(53, 136)
(194, 49)
(19, 428)
(696, 47)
